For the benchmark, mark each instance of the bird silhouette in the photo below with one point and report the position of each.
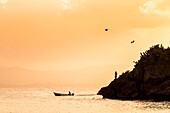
(106, 29)
(132, 41)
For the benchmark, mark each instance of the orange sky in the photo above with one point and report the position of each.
(69, 34)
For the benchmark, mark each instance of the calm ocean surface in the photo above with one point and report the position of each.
(42, 100)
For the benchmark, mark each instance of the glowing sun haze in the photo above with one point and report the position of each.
(70, 35)
(3, 2)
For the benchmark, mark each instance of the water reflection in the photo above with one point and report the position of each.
(24, 100)
(154, 105)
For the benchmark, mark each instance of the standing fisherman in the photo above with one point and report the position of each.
(115, 74)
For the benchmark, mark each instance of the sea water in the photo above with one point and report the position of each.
(42, 100)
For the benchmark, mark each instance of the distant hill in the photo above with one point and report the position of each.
(87, 77)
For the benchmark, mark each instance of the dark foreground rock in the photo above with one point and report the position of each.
(149, 80)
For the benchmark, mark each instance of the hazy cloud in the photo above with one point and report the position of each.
(69, 4)
(3, 2)
(156, 7)
(34, 33)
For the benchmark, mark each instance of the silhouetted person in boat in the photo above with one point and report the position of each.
(115, 74)
(69, 93)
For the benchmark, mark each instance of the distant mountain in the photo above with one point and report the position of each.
(20, 77)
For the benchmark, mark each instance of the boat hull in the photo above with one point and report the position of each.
(61, 94)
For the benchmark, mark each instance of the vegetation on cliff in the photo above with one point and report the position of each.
(150, 78)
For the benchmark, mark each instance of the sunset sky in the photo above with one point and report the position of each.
(69, 35)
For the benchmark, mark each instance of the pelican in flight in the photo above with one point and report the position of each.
(132, 41)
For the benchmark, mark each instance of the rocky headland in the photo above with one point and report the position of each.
(149, 79)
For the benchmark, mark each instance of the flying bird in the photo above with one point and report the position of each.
(106, 29)
(132, 41)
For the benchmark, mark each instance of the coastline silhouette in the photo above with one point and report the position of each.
(149, 80)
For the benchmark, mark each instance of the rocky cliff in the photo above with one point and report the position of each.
(150, 78)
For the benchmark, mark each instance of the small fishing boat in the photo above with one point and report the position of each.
(61, 94)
